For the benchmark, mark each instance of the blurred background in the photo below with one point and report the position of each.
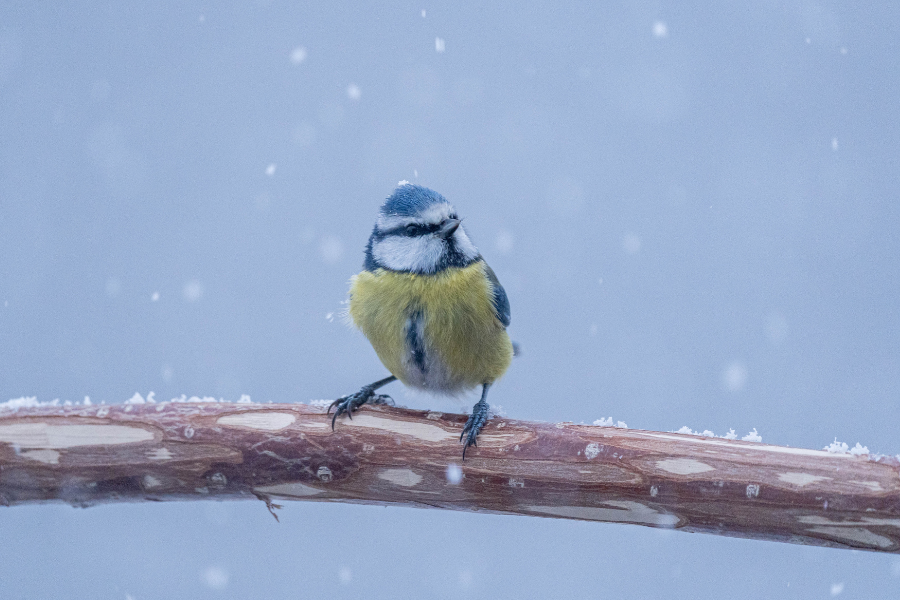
(692, 206)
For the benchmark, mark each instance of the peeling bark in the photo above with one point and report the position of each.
(85, 455)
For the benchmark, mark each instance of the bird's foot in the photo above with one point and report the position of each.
(351, 402)
(474, 424)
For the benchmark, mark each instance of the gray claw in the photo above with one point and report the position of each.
(473, 425)
(351, 402)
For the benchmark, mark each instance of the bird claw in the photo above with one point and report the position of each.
(351, 402)
(473, 425)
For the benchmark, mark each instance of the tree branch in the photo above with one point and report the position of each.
(84, 455)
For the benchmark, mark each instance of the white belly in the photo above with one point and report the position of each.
(423, 365)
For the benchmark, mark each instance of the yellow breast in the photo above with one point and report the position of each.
(463, 338)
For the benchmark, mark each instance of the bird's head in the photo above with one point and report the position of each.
(418, 231)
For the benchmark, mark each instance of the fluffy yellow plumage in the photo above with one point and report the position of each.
(459, 322)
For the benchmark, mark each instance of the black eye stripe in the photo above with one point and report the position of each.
(411, 230)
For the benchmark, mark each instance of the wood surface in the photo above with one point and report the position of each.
(85, 455)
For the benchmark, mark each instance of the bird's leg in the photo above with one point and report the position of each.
(350, 402)
(476, 420)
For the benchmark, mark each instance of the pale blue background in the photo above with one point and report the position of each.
(693, 208)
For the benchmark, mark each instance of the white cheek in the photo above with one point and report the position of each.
(400, 253)
(465, 245)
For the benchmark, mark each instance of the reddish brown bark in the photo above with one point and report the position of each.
(85, 455)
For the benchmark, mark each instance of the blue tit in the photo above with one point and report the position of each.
(431, 307)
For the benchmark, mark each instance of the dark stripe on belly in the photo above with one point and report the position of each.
(414, 340)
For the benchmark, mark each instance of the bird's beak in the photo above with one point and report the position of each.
(448, 228)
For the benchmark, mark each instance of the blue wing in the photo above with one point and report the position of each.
(501, 302)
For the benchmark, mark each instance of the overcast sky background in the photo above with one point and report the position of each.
(692, 206)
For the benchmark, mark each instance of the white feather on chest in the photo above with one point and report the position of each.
(423, 365)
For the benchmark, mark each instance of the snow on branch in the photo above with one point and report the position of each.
(90, 454)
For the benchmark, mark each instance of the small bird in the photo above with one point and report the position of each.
(431, 307)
